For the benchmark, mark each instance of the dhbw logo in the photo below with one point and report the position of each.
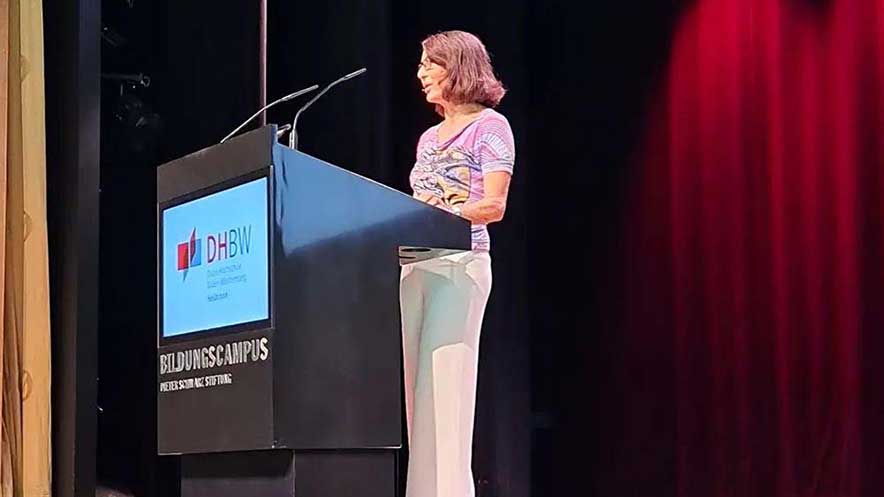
(219, 247)
(228, 244)
(190, 253)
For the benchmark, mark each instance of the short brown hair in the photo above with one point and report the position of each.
(470, 78)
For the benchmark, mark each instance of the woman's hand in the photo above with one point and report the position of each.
(431, 199)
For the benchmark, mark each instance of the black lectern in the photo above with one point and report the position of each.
(278, 320)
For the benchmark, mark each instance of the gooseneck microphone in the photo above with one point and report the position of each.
(293, 136)
(271, 104)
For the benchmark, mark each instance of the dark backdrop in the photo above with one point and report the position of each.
(579, 79)
(610, 359)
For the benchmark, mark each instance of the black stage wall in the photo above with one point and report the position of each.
(72, 48)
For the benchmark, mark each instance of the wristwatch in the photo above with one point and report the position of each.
(456, 210)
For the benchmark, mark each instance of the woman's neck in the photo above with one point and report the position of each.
(458, 112)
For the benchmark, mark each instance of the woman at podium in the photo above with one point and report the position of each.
(463, 165)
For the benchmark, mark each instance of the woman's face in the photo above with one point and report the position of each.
(432, 78)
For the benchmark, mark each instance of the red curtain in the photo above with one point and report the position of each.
(755, 248)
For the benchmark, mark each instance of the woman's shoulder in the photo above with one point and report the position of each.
(494, 122)
(429, 133)
(492, 114)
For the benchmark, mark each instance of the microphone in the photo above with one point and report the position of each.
(293, 136)
(282, 129)
(271, 104)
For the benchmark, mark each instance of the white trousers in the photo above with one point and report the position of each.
(442, 303)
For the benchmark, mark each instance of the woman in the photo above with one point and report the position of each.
(463, 166)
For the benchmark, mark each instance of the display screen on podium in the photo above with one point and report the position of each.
(215, 260)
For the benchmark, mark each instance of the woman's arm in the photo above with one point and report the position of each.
(486, 211)
(491, 208)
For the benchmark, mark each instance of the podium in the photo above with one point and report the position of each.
(279, 342)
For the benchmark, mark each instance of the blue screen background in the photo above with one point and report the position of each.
(218, 291)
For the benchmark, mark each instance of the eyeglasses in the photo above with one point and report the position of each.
(425, 64)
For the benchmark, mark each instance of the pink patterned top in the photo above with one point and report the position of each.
(454, 170)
